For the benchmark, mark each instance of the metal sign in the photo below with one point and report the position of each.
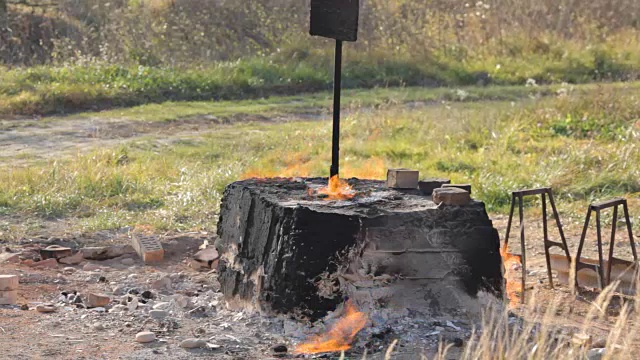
(335, 19)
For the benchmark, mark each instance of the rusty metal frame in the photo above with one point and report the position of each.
(599, 269)
(543, 192)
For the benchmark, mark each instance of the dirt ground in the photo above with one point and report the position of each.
(75, 333)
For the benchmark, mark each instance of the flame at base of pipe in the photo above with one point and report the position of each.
(513, 286)
(337, 189)
(339, 337)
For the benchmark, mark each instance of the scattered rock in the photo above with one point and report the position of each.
(596, 354)
(147, 294)
(69, 270)
(133, 304)
(99, 310)
(193, 344)
(162, 283)
(74, 259)
(98, 326)
(161, 305)
(279, 349)
(128, 262)
(24, 307)
(97, 300)
(205, 258)
(118, 290)
(158, 314)
(48, 263)
(102, 279)
(45, 308)
(145, 337)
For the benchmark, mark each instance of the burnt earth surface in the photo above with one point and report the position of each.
(286, 250)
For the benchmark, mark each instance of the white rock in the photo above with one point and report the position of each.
(69, 270)
(132, 276)
(128, 262)
(98, 326)
(596, 354)
(161, 306)
(145, 337)
(133, 304)
(193, 343)
(118, 290)
(99, 310)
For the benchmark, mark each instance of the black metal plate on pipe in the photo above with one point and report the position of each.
(335, 19)
(607, 204)
(529, 192)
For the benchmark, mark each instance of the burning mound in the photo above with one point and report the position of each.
(337, 189)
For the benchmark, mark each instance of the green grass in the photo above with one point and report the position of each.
(74, 88)
(497, 146)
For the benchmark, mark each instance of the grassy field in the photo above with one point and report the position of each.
(582, 141)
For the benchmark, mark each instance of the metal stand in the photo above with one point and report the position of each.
(544, 192)
(337, 82)
(599, 269)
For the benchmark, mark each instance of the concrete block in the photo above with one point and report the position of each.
(466, 187)
(402, 178)
(428, 185)
(148, 248)
(451, 196)
(8, 282)
(97, 300)
(8, 297)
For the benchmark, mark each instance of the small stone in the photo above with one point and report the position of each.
(162, 283)
(133, 304)
(118, 290)
(97, 300)
(69, 270)
(99, 310)
(45, 308)
(128, 262)
(145, 337)
(133, 292)
(102, 279)
(193, 344)
(596, 354)
(581, 339)
(98, 326)
(73, 259)
(24, 307)
(281, 348)
(147, 294)
(161, 305)
(158, 314)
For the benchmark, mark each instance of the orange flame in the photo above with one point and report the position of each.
(337, 189)
(341, 335)
(514, 286)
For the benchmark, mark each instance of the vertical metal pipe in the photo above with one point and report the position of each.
(506, 237)
(600, 256)
(337, 83)
(546, 238)
(614, 223)
(522, 246)
(631, 242)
